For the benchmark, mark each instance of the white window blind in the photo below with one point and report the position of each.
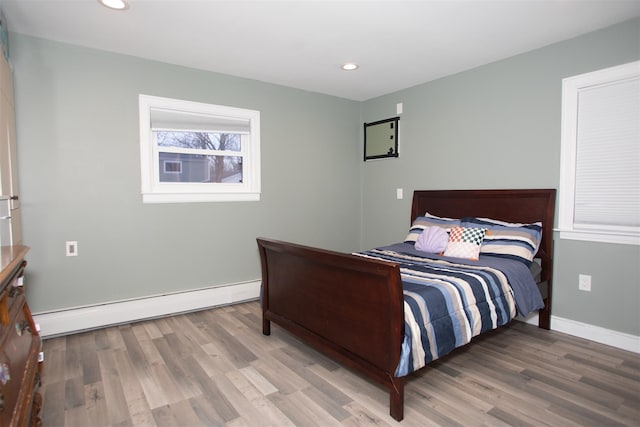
(166, 119)
(600, 168)
(608, 156)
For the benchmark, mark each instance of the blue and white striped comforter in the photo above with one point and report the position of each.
(447, 303)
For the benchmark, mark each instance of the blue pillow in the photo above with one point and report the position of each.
(508, 240)
(428, 220)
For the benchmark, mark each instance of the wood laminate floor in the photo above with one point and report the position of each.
(216, 368)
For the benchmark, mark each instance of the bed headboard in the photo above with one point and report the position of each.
(507, 205)
(524, 206)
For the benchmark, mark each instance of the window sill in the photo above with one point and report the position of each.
(598, 236)
(199, 197)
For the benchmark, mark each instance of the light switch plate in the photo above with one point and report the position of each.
(72, 249)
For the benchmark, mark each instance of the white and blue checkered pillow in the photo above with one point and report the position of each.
(465, 242)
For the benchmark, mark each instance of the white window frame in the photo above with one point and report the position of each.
(569, 141)
(154, 191)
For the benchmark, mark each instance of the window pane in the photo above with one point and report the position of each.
(195, 168)
(199, 140)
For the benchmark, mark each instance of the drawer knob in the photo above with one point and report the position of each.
(22, 327)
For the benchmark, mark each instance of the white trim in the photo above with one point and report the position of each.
(204, 197)
(600, 237)
(154, 191)
(78, 319)
(571, 87)
(597, 334)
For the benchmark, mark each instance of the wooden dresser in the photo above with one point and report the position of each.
(20, 345)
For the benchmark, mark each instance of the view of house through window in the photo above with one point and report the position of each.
(199, 157)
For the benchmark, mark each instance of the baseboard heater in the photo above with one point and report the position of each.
(79, 319)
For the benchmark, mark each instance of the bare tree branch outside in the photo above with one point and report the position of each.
(215, 168)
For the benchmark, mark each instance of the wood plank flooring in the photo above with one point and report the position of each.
(215, 368)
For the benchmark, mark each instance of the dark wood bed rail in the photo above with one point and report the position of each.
(348, 307)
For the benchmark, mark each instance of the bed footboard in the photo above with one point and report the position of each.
(348, 307)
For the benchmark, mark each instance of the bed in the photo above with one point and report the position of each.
(356, 308)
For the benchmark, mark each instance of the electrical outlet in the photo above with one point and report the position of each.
(399, 193)
(72, 249)
(584, 282)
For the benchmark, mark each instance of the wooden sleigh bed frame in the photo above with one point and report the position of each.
(352, 307)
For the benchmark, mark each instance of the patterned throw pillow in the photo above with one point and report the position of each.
(465, 242)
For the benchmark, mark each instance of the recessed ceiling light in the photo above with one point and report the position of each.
(350, 66)
(115, 4)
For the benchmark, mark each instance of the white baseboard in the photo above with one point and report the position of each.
(77, 319)
(595, 333)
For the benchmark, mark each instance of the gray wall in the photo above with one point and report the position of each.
(77, 127)
(498, 126)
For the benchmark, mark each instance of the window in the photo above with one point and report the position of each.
(600, 158)
(195, 152)
(172, 166)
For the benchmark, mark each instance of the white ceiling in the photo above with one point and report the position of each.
(302, 43)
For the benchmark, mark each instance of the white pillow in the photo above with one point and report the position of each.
(465, 242)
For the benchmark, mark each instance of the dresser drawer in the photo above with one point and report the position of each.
(18, 360)
(8, 295)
